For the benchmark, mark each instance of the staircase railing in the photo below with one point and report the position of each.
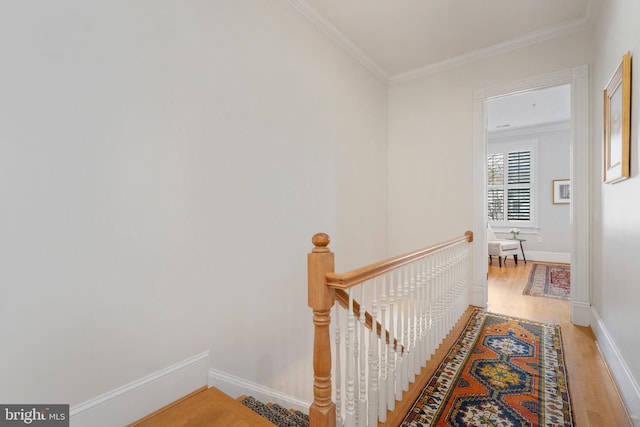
(415, 300)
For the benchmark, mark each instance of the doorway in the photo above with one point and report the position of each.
(528, 145)
(577, 79)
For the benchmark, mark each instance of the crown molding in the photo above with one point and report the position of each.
(529, 130)
(529, 39)
(316, 18)
(338, 37)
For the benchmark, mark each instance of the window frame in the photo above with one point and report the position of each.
(505, 147)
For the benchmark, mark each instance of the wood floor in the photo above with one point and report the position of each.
(204, 408)
(594, 396)
(595, 400)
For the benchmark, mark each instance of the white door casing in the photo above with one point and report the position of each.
(577, 77)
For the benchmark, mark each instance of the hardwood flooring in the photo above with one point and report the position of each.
(204, 408)
(595, 399)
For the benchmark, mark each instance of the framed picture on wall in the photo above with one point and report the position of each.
(561, 191)
(617, 123)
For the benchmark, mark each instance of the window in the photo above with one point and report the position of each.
(510, 181)
(495, 193)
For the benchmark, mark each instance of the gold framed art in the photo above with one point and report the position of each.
(617, 123)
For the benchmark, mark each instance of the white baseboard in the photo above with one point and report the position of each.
(563, 257)
(139, 398)
(627, 384)
(479, 295)
(236, 387)
(580, 313)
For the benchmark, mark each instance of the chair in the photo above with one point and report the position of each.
(501, 247)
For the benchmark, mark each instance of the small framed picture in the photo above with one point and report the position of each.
(561, 191)
(617, 123)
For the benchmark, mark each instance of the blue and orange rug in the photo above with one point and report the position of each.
(502, 372)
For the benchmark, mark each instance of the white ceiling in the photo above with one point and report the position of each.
(403, 39)
(544, 106)
(400, 39)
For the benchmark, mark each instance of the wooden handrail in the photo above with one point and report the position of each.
(359, 275)
(324, 288)
(343, 299)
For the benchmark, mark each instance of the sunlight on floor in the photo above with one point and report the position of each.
(505, 296)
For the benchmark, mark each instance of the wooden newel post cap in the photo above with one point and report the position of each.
(320, 241)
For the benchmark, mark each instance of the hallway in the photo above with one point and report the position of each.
(595, 399)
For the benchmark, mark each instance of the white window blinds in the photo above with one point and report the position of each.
(519, 186)
(510, 187)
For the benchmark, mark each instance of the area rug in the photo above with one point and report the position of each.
(502, 372)
(549, 280)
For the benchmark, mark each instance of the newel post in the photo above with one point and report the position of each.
(321, 298)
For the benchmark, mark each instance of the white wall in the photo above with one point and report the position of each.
(616, 222)
(430, 137)
(163, 166)
(553, 162)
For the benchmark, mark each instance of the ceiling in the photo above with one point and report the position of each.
(402, 39)
(543, 106)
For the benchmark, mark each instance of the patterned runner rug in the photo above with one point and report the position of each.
(549, 280)
(502, 372)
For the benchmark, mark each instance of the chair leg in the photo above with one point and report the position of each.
(500, 260)
(515, 258)
(490, 259)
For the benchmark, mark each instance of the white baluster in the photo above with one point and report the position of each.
(425, 309)
(447, 292)
(443, 293)
(374, 361)
(338, 371)
(362, 389)
(460, 281)
(382, 401)
(420, 297)
(452, 287)
(433, 302)
(401, 366)
(443, 323)
(456, 284)
(467, 275)
(420, 357)
(427, 313)
(416, 320)
(439, 302)
(350, 407)
(409, 289)
(391, 350)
